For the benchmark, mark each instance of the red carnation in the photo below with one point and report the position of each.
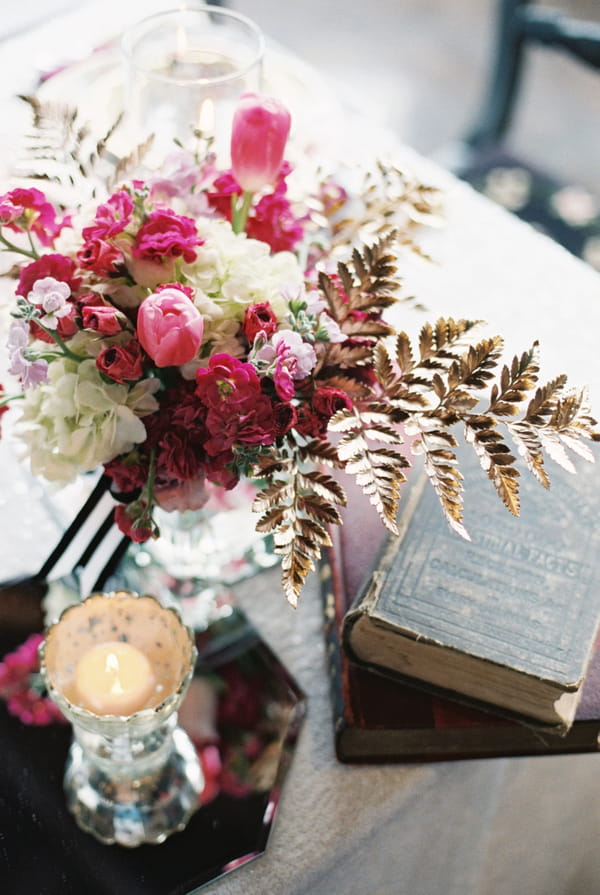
(99, 256)
(310, 424)
(238, 411)
(224, 187)
(178, 458)
(220, 470)
(272, 221)
(128, 474)
(58, 266)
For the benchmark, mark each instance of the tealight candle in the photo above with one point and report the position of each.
(114, 678)
(118, 666)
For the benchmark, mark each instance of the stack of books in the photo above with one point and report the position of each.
(441, 649)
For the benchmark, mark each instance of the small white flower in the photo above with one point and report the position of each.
(30, 372)
(76, 421)
(52, 295)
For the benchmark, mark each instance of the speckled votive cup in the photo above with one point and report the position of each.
(132, 775)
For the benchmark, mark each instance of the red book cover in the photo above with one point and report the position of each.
(380, 719)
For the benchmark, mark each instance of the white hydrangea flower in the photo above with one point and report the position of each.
(76, 421)
(232, 272)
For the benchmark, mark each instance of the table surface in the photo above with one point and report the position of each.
(494, 827)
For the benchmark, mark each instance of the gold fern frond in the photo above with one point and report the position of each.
(441, 467)
(379, 471)
(515, 383)
(298, 503)
(495, 459)
(529, 446)
(474, 369)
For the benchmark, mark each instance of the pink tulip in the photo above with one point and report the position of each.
(261, 125)
(170, 327)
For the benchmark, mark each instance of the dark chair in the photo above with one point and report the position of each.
(483, 159)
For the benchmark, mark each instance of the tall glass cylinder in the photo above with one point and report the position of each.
(185, 71)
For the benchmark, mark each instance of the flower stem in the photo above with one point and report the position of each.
(11, 247)
(239, 212)
(5, 399)
(56, 338)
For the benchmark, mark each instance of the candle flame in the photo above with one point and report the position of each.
(181, 43)
(206, 119)
(112, 666)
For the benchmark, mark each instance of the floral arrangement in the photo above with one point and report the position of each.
(201, 326)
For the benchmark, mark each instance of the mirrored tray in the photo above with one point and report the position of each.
(243, 712)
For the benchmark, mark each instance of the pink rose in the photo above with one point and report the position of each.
(260, 129)
(134, 521)
(122, 363)
(100, 316)
(328, 400)
(99, 256)
(259, 318)
(170, 327)
(166, 235)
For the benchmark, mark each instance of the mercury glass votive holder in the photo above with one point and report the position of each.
(185, 70)
(132, 775)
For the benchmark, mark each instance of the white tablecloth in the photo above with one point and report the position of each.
(499, 827)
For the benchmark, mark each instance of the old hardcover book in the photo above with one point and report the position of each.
(507, 620)
(380, 719)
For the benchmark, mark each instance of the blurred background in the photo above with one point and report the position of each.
(420, 67)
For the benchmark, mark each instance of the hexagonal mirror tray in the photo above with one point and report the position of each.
(243, 712)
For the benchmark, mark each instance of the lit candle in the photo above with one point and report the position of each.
(114, 678)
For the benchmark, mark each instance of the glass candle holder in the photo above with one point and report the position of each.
(118, 666)
(185, 71)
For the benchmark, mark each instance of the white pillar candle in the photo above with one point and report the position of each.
(114, 678)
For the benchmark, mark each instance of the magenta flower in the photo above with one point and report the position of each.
(166, 235)
(261, 125)
(170, 327)
(237, 409)
(20, 685)
(287, 358)
(29, 210)
(111, 218)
